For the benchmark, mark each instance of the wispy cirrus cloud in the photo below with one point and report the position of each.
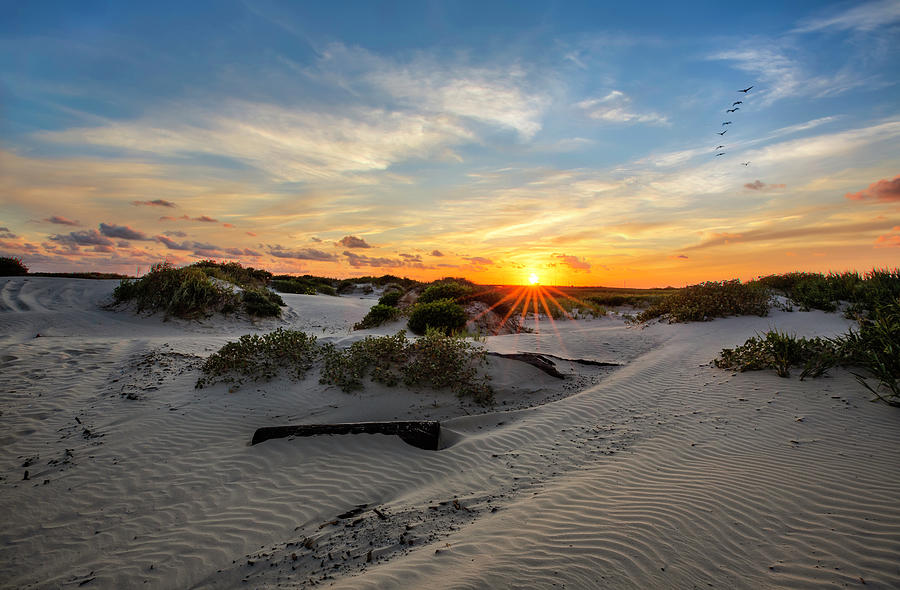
(759, 185)
(882, 191)
(864, 17)
(616, 107)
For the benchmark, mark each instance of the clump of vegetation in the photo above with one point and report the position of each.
(377, 315)
(184, 292)
(190, 292)
(304, 285)
(262, 303)
(444, 289)
(709, 300)
(378, 356)
(443, 315)
(436, 361)
(875, 347)
(781, 351)
(260, 357)
(390, 298)
(234, 273)
(12, 266)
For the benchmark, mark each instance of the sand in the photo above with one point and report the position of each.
(664, 472)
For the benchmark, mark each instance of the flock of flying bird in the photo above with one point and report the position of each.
(734, 108)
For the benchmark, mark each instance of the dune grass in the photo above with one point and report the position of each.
(435, 361)
(709, 300)
(190, 292)
(874, 348)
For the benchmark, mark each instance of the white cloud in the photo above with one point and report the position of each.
(615, 107)
(776, 76)
(862, 17)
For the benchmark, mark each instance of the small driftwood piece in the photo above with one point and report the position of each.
(423, 434)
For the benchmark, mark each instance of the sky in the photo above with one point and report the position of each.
(576, 141)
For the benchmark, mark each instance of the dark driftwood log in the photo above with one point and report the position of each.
(543, 362)
(533, 359)
(422, 434)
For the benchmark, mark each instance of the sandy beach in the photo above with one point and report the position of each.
(663, 472)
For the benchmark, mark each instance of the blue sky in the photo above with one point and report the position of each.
(490, 140)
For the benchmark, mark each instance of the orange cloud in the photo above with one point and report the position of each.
(352, 242)
(573, 262)
(889, 240)
(59, 220)
(883, 191)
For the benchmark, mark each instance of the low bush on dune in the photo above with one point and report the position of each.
(260, 357)
(184, 292)
(444, 289)
(190, 292)
(304, 285)
(706, 301)
(377, 315)
(262, 303)
(232, 272)
(390, 298)
(11, 266)
(443, 315)
(435, 361)
(781, 351)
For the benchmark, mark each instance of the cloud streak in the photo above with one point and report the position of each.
(882, 191)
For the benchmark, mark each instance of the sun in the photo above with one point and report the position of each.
(533, 279)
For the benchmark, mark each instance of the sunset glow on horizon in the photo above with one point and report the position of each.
(539, 143)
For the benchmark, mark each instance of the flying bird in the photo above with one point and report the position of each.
(720, 154)
(732, 110)
(717, 147)
(745, 163)
(723, 133)
(737, 102)
(745, 90)
(727, 123)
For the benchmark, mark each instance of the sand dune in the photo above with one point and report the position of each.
(664, 472)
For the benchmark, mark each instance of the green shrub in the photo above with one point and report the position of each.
(781, 351)
(233, 272)
(377, 315)
(260, 357)
(390, 298)
(293, 286)
(184, 292)
(262, 302)
(382, 356)
(435, 360)
(443, 315)
(445, 289)
(438, 361)
(12, 267)
(709, 300)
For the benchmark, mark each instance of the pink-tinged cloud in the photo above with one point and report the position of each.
(352, 242)
(123, 232)
(241, 252)
(301, 254)
(883, 191)
(205, 219)
(154, 203)
(479, 260)
(358, 260)
(60, 220)
(762, 186)
(437, 253)
(167, 218)
(73, 240)
(227, 225)
(573, 262)
(250, 233)
(680, 257)
(173, 245)
(410, 258)
(889, 240)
